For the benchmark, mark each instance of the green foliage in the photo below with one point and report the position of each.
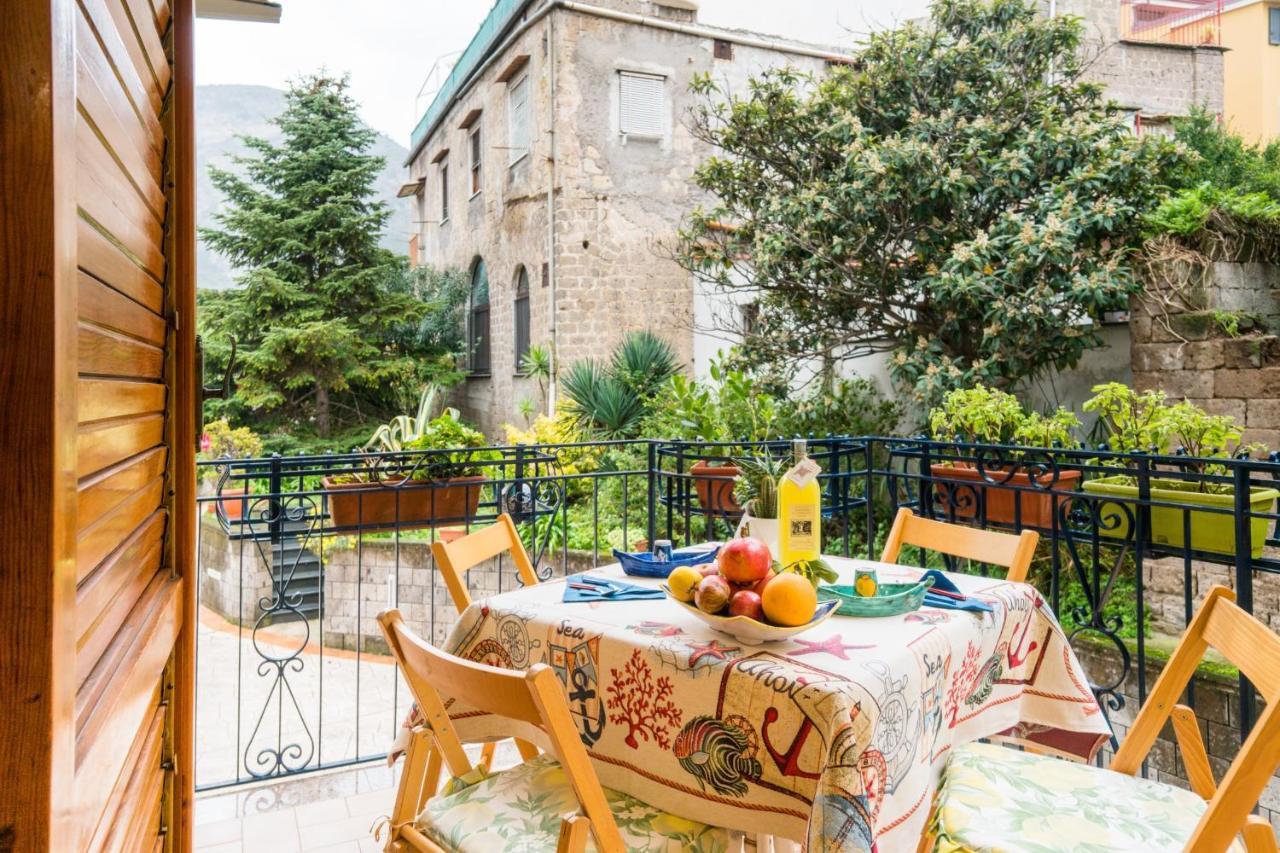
(329, 325)
(957, 197)
(227, 442)
(610, 401)
(840, 407)
(991, 416)
(536, 364)
(1223, 159)
(1132, 421)
(464, 443)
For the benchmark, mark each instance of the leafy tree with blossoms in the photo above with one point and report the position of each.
(956, 197)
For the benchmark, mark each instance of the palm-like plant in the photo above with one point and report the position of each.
(611, 400)
(536, 363)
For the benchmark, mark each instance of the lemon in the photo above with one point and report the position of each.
(682, 581)
(789, 600)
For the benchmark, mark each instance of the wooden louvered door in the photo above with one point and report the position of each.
(96, 615)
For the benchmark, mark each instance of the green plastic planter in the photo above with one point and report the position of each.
(1212, 532)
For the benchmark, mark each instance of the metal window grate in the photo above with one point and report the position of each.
(522, 315)
(642, 102)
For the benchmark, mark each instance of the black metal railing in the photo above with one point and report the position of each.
(298, 554)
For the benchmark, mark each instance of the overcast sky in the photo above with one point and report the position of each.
(388, 46)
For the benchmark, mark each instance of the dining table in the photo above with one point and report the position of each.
(834, 738)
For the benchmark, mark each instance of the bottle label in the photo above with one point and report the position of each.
(802, 528)
(803, 472)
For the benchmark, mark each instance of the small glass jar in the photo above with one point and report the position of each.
(662, 551)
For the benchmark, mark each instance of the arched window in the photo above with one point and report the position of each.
(478, 328)
(522, 314)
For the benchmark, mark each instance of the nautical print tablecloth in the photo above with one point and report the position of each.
(836, 737)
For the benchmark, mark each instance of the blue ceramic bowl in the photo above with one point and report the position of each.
(643, 564)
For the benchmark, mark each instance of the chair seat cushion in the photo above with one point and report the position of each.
(993, 798)
(521, 808)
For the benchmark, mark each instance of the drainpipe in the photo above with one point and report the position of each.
(551, 216)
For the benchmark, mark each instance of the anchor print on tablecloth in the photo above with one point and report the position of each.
(573, 657)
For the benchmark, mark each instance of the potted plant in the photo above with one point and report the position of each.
(757, 492)
(409, 489)
(221, 441)
(989, 416)
(1142, 422)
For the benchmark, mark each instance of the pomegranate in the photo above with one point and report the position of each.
(712, 594)
(745, 561)
(758, 586)
(747, 603)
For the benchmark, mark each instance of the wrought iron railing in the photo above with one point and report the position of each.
(298, 554)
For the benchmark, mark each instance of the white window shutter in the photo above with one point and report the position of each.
(642, 98)
(518, 119)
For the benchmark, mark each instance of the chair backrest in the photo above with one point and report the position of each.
(535, 697)
(1255, 651)
(455, 559)
(986, 546)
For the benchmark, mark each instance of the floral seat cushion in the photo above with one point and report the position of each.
(521, 808)
(997, 799)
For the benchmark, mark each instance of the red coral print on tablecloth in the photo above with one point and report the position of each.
(642, 703)
(962, 685)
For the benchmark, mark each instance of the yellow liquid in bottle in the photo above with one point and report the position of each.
(800, 511)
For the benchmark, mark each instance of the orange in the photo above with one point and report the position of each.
(790, 600)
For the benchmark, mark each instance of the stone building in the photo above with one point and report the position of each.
(555, 165)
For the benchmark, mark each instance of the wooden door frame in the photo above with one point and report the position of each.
(182, 413)
(37, 424)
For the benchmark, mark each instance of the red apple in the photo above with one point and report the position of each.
(712, 594)
(747, 603)
(758, 586)
(745, 561)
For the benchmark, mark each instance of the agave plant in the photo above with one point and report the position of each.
(611, 400)
(757, 488)
(643, 362)
(395, 434)
(599, 403)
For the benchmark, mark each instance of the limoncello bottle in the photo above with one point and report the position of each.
(800, 509)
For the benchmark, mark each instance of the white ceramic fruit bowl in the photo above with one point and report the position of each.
(744, 629)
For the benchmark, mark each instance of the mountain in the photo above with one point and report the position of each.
(225, 113)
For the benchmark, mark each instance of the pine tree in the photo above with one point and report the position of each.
(321, 313)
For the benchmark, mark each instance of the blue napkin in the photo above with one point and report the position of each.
(606, 590)
(942, 602)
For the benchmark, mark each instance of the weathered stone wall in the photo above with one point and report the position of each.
(1192, 356)
(1216, 701)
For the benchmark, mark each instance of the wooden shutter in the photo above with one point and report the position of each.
(642, 99)
(120, 432)
(518, 119)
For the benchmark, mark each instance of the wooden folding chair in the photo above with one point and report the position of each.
(535, 698)
(1249, 646)
(957, 540)
(454, 560)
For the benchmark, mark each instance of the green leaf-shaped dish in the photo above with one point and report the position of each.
(890, 599)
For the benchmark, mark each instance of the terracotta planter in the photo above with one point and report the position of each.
(1037, 506)
(232, 501)
(714, 485)
(389, 505)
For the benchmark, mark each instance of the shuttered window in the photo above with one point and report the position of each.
(518, 119)
(1273, 25)
(478, 326)
(477, 152)
(444, 192)
(642, 101)
(522, 316)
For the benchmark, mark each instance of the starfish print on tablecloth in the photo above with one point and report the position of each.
(833, 645)
(711, 649)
